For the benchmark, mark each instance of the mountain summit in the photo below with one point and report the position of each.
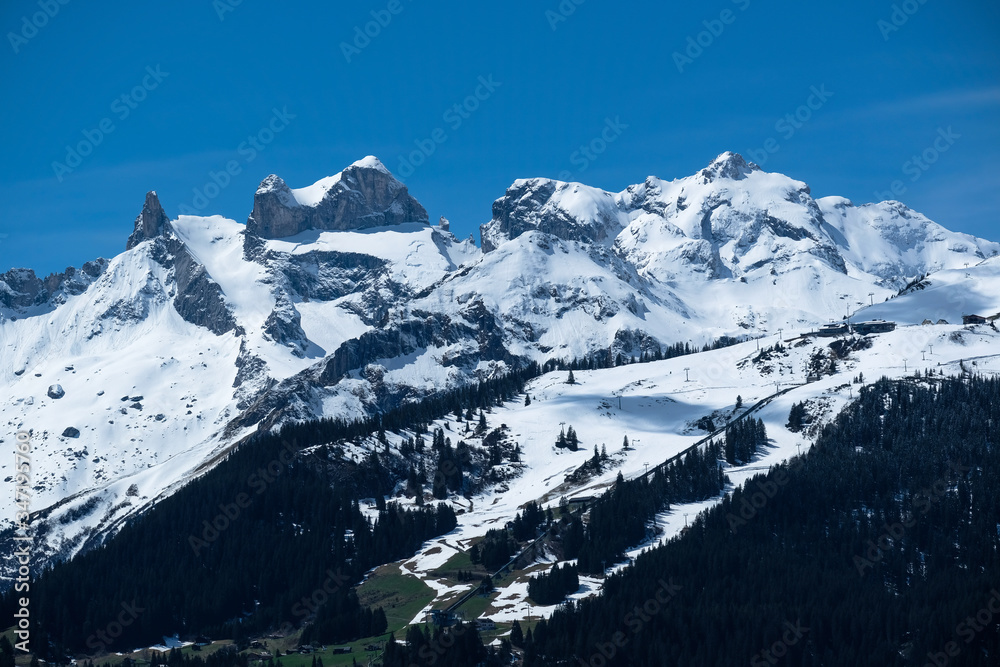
(362, 196)
(150, 223)
(733, 220)
(729, 165)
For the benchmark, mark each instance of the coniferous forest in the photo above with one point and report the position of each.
(244, 548)
(238, 549)
(880, 547)
(620, 518)
(553, 586)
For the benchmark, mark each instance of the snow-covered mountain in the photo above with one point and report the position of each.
(339, 299)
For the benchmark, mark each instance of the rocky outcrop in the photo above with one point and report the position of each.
(363, 196)
(404, 338)
(151, 222)
(21, 288)
(542, 204)
(327, 275)
(252, 377)
(284, 326)
(199, 299)
(728, 165)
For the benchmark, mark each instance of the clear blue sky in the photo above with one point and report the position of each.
(559, 80)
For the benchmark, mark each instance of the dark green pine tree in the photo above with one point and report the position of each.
(516, 635)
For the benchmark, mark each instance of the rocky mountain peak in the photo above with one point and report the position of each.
(150, 222)
(728, 165)
(371, 162)
(570, 211)
(273, 183)
(362, 196)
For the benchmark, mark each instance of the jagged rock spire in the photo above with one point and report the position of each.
(150, 222)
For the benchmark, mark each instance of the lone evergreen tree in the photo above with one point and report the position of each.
(572, 442)
(516, 635)
(571, 379)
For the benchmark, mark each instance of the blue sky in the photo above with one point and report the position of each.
(201, 78)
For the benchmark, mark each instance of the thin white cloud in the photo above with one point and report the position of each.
(937, 101)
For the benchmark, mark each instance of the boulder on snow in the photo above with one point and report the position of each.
(71, 432)
(56, 391)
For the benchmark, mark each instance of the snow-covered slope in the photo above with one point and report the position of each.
(338, 299)
(890, 241)
(656, 406)
(734, 221)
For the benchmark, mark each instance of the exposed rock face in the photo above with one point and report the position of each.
(56, 391)
(728, 165)
(537, 204)
(252, 378)
(284, 326)
(150, 223)
(729, 219)
(21, 288)
(326, 275)
(404, 338)
(362, 196)
(199, 299)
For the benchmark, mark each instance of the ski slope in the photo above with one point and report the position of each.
(658, 406)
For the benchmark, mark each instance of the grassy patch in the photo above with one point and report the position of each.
(400, 596)
(477, 606)
(460, 561)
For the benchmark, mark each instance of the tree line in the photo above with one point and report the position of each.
(880, 547)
